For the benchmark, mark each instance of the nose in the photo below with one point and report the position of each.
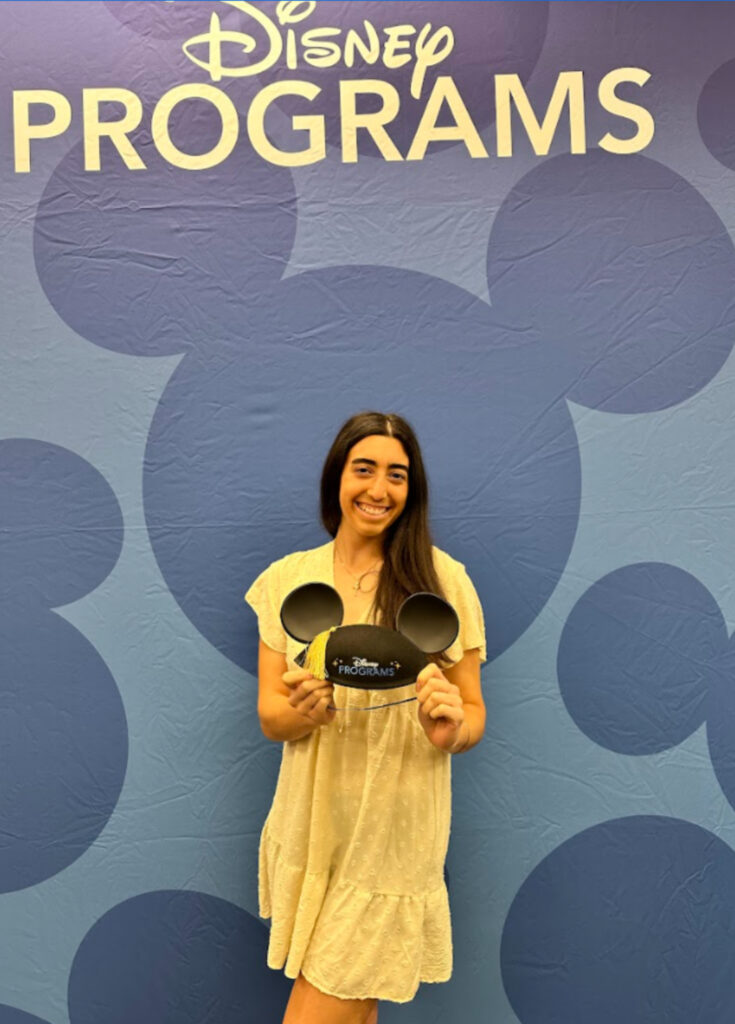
(377, 489)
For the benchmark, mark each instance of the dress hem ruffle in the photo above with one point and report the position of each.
(299, 938)
(328, 990)
(317, 983)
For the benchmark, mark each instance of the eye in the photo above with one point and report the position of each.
(398, 478)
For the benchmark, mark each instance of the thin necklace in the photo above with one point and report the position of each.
(358, 578)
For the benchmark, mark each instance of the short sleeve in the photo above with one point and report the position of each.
(264, 597)
(461, 594)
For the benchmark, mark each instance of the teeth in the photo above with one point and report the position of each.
(372, 510)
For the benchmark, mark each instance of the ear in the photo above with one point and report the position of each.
(428, 621)
(310, 609)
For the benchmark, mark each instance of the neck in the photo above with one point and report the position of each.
(356, 551)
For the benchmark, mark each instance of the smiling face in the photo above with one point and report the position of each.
(374, 485)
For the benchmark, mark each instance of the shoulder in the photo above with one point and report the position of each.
(446, 566)
(296, 561)
(453, 577)
(460, 591)
(297, 567)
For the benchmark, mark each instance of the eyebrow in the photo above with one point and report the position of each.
(372, 462)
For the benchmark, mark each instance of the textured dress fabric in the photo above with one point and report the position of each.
(351, 861)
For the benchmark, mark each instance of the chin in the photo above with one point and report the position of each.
(371, 529)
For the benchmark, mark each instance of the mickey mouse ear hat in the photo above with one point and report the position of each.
(310, 609)
(428, 621)
(361, 655)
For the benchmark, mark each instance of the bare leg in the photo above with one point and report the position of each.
(308, 1005)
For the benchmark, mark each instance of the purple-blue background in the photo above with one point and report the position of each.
(179, 349)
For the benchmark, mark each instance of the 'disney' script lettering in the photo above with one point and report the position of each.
(263, 41)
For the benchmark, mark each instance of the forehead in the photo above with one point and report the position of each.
(383, 450)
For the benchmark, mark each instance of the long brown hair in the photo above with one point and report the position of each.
(408, 565)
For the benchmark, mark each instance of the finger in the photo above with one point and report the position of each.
(294, 676)
(319, 710)
(436, 678)
(306, 705)
(435, 699)
(448, 711)
(310, 685)
(316, 684)
(435, 685)
(308, 696)
(427, 672)
(316, 696)
(440, 685)
(298, 695)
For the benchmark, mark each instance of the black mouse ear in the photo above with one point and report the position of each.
(310, 609)
(428, 621)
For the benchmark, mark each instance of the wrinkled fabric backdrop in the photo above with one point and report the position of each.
(179, 348)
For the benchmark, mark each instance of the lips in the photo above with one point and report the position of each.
(373, 511)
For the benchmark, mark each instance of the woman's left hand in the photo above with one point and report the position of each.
(441, 708)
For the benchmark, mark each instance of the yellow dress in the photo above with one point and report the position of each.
(351, 863)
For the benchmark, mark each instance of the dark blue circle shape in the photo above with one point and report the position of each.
(63, 746)
(9, 1015)
(175, 957)
(630, 920)
(63, 733)
(637, 657)
(61, 527)
(714, 114)
(237, 442)
(626, 270)
(162, 260)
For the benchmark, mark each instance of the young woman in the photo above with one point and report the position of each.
(352, 852)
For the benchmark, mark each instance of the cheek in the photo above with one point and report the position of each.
(347, 498)
(344, 493)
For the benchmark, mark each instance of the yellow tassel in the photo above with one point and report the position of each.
(316, 654)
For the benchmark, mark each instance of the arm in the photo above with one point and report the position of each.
(451, 708)
(291, 705)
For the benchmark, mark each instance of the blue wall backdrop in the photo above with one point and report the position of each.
(179, 347)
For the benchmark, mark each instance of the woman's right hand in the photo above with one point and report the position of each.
(310, 696)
